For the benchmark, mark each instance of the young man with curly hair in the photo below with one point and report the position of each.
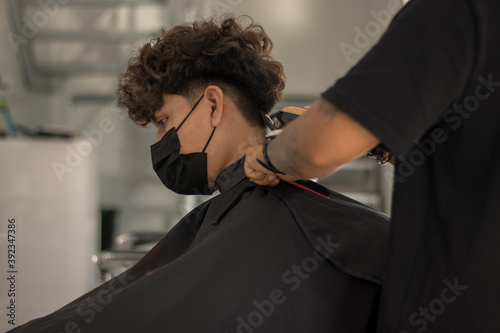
(251, 259)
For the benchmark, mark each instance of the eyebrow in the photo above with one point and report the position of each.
(154, 118)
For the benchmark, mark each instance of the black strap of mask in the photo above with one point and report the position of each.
(210, 138)
(194, 107)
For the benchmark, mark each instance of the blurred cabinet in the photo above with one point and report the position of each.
(359, 180)
(49, 187)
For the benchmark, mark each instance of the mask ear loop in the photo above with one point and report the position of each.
(194, 107)
(210, 138)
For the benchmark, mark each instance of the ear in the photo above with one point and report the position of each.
(215, 98)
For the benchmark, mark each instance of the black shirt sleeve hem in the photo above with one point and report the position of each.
(394, 142)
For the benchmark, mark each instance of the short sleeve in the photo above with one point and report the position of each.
(420, 66)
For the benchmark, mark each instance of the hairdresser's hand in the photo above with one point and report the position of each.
(257, 173)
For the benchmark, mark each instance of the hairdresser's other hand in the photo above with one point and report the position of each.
(256, 172)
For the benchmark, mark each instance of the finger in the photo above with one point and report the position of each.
(251, 166)
(254, 175)
(274, 182)
(269, 180)
(263, 182)
(257, 176)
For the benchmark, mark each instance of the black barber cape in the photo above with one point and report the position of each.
(252, 259)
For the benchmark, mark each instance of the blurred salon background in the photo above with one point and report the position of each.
(76, 174)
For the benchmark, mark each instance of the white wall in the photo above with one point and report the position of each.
(29, 108)
(308, 35)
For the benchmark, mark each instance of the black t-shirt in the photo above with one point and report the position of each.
(430, 91)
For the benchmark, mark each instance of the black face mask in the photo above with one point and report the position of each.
(183, 174)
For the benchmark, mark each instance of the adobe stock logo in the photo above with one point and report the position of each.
(74, 156)
(30, 26)
(216, 8)
(420, 319)
(372, 30)
(453, 116)
(292, 278)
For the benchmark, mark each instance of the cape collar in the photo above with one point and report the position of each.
(230, 176)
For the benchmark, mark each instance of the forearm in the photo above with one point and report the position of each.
(319, 142)
(292, 151)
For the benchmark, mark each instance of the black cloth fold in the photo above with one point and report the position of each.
(252, 259)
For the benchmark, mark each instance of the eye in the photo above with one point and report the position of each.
(162, 122)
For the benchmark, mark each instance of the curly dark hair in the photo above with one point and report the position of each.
(187, 58)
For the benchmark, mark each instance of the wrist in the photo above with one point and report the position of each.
(268, 164)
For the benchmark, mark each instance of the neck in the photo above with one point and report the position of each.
(235, 149)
